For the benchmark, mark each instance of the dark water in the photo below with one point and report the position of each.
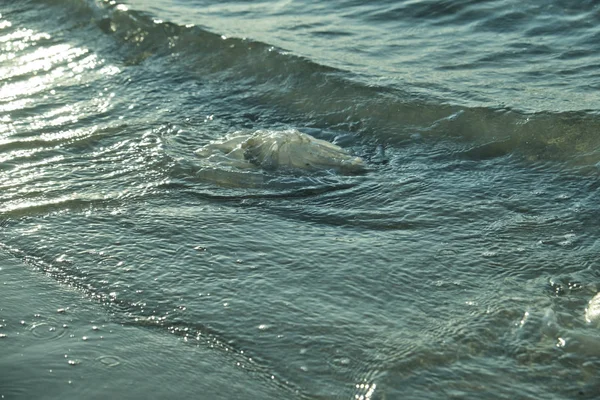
(459, 266)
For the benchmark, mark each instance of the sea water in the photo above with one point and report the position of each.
(460, 265)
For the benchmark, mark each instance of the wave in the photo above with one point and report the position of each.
(274, 82)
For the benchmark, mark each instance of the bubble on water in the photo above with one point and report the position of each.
(49, 329)
(109, 361)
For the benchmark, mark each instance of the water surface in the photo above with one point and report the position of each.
(462, 260)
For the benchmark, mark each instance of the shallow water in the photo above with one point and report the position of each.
(462, 260)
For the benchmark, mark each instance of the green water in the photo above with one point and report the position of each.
(459, 265)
